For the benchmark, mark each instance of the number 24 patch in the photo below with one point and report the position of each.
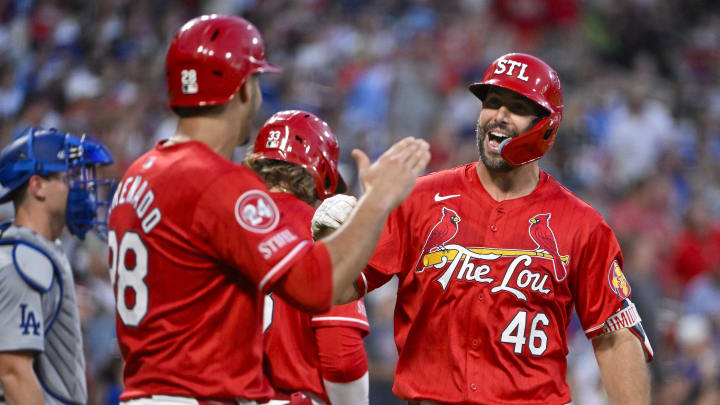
(256, 212)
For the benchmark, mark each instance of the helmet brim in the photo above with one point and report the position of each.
(269, 68)
(479, 90)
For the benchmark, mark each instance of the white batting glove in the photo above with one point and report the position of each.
(332, 213)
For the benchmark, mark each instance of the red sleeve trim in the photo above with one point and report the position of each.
(283, 265)
(320, 321)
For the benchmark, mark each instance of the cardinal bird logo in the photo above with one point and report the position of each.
(440, 234)
(544, 237)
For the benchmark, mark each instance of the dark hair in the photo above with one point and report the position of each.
(188, 112)
(18, 195)
(286, 175)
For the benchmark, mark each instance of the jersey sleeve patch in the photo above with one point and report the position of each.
(617, 281)
(34, 266)
(256, 211)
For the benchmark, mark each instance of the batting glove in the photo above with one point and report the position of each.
(332, 213)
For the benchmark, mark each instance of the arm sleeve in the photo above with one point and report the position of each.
(243, 225)
(341, 353)
(602, 292)
(22, 324)
(351, 393)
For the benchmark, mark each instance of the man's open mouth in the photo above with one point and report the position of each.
(495, 139)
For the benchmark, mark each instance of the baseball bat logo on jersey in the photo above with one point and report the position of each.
(617, 281)
(256, 212)
(473, 264)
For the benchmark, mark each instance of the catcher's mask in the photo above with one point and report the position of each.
(45, 151)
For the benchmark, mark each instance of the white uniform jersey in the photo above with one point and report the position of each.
(38, 312)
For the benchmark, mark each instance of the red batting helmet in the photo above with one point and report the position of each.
(301, 138)
(209, 59)
(534, 79)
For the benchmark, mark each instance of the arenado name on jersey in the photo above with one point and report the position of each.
(135, 191)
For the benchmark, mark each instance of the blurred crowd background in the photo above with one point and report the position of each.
(640, 138)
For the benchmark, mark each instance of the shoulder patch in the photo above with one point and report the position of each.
(34, 266)
(617, 281)
(256, 211)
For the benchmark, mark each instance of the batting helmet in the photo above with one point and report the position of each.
(302, 138)
(46, 151)
(534, 79)
(210, 57)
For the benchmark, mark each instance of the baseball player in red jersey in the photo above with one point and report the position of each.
(322, 355)
(492, 258)
(196, 241)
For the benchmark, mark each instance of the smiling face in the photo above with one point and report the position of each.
(505, 114)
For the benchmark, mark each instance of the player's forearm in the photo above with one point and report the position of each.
(20, 385)
(347, 294)
(623, 368)
(352, 244)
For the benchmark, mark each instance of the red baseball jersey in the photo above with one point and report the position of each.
(487, 289)
(195, 243)
(291, 350)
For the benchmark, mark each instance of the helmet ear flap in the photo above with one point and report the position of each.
(530, 145)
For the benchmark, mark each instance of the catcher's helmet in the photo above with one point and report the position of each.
(46, 151)
(210, 57)
(534, 79)
(302, 138)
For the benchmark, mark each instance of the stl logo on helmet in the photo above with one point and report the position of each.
(508, 66)
(188, 78)
(256, 212)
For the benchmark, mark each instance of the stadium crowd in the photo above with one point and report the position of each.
(640, 138)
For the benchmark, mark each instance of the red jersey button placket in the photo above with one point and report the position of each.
(497, 213)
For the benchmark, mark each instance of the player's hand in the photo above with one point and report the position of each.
(332, 213)
(392, 177)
